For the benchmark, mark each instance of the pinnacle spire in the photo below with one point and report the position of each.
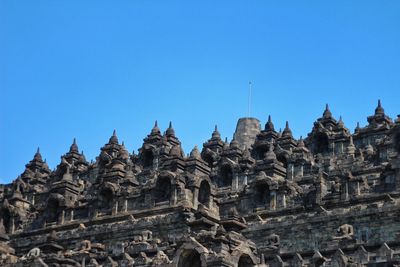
(216, 133)
(357, 127)
(327, 113)
(340, 122)
(37, 156)
(170, 131)
(379, 109)
(269, 126)
(234, 143)
(301, 142)
(351, 148)
(74, 146)
(195, 153)
(113, 138)
(155, 129)
(287, 131)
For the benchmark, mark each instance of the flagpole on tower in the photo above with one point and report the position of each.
(249, 100)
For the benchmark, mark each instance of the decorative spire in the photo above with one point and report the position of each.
(37, 156)
(216, 133)
(340, 122)
(226, 143)
(287, 131)
(83, 156)
(67, 175)
(176, 151)
(327, 113)
(351, 149)
(269, 126)
(155, 129)
(74, 147)
(170, 131)
(369, 149)
(357, 127)
(113, 138)
(301, 142)
(195, 153)
(234, 143)
(379, 109)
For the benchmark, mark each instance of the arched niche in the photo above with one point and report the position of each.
(6, 219)
(208, 159)
(189, 258)
(204, 193)
(310, 199)
(321, 143)
(397, 142)
(261, 196)
(281, 158)
(163, 190)
(226, 176)
(148, 158)
(53, 210)
(105, 199)
(260, 152)
(245, 261)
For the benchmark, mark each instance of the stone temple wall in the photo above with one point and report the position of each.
(263, 199)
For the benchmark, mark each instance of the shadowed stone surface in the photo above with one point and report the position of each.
(263, 199)
(246, 131)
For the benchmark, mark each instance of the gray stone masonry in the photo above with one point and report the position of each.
(263, 199)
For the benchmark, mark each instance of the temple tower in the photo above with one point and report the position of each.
(246, 131)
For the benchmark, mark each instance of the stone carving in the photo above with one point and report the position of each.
(273, 242)
(32, 254)
(345, 231)
(223, 204)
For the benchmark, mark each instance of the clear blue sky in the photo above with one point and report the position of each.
(83, 68)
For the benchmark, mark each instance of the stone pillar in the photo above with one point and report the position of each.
(115, 208)
(12, 226)
(235, 182)
(290, 173)
(245, 179)
(174, 196)
(62, 217)
(210, 202)
(195, 197)
(345, 191)
(155, 161)
(284, 200)
(126, 205)
(272, 203)
(148, 200)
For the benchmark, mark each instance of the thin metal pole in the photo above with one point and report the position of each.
(249, 101)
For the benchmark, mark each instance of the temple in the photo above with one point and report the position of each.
(264, 198)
